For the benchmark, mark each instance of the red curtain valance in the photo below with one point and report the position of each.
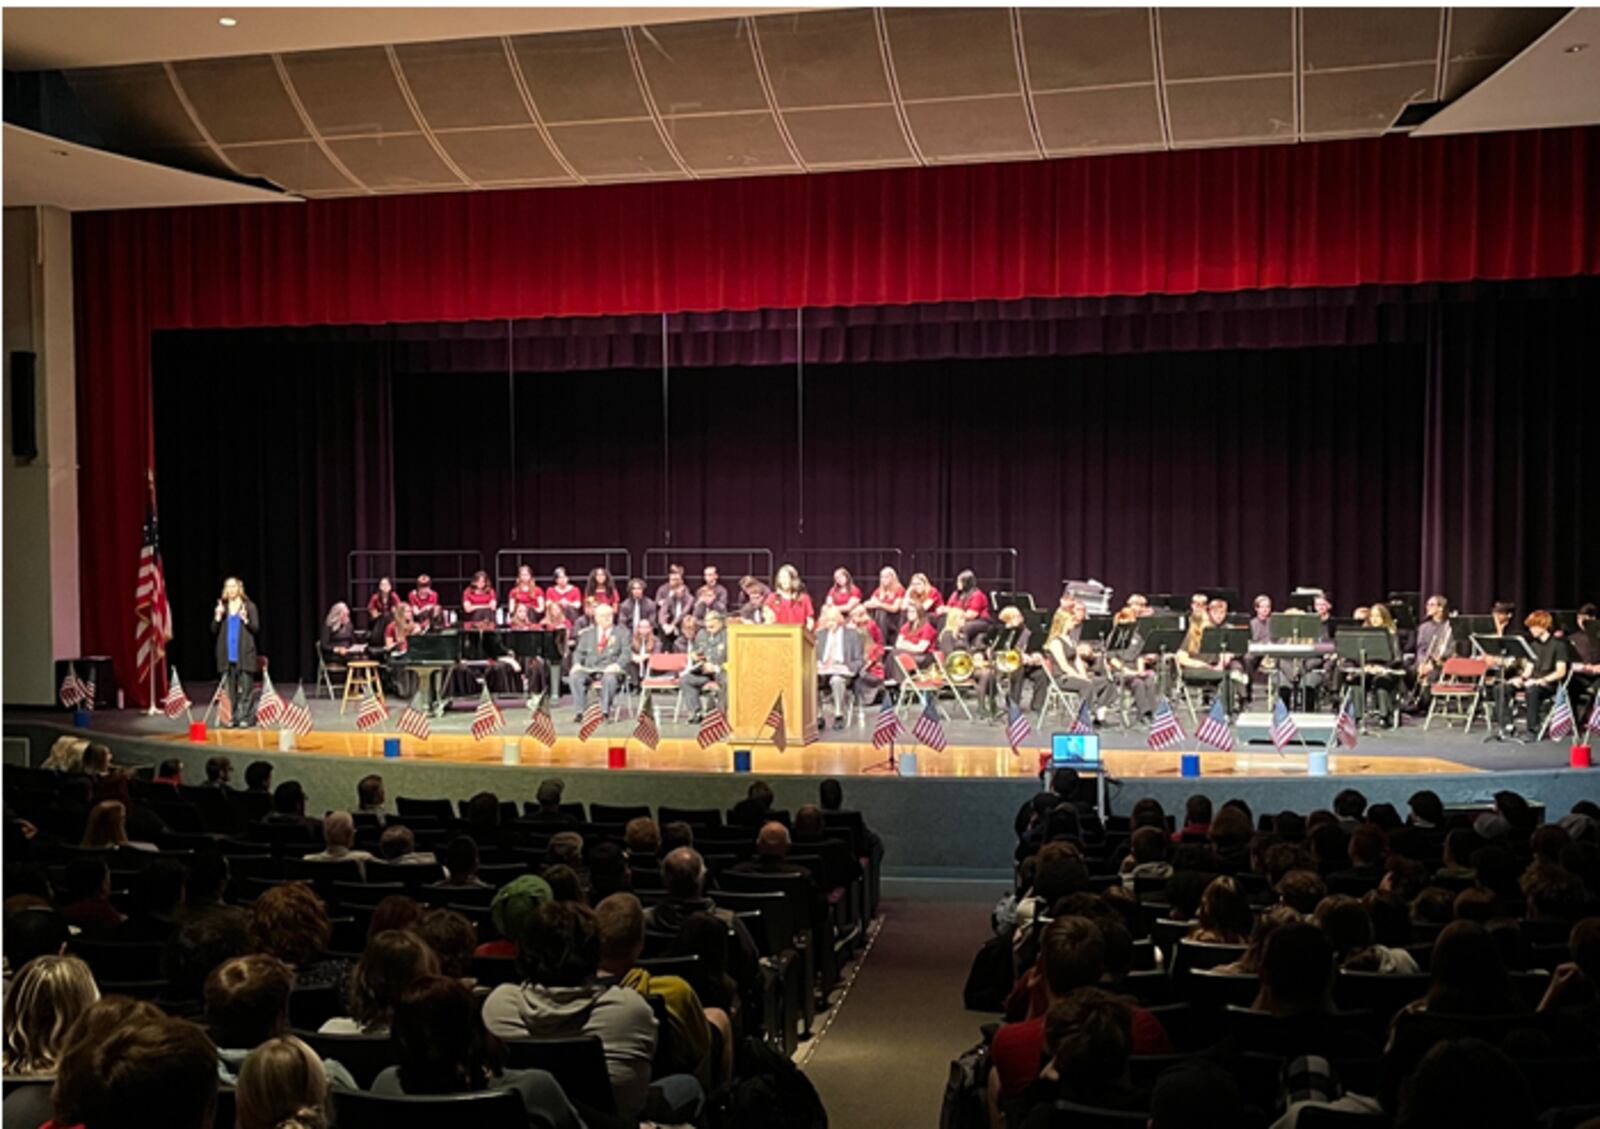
(1393, 210)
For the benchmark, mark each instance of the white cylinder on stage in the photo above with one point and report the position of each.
(285, 740)
(511, 751)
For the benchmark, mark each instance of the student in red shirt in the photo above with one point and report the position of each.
(601, 590)
(916, 639)
(383, 602)
(886, 603)
(789, 602)
(844, 594)
(566, 594)
(871, 678)
(478, 602)
(974, 606)
(922, 593)
(424, 601)
(525, 593)
(1072, 954)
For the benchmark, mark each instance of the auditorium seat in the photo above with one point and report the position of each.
(127, 961)
(1208, 990)
(579, 1064)
(695, 817)
(411, 876)
(412, 811)
(485, 1109)
(363, 1055)
(1071, 1115)
(618, 814)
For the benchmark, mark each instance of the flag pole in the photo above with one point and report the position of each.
(150, 710)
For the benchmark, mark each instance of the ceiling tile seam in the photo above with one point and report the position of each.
(772, 100)
(880, 23)
(1019, 51)
(416, 111)
(1363, 68)
(940, 99)
(311, 128)
(1445, 20)
(824, 107)
(650, 103)
(1205, 80)
(265, 141)
(1297, 56)
(194, 117)
(566, 123)
(521, 81)
(1093, 88)
(1103, 151)
(1161, 76)
(452, 130)
(1231, 141)
(697, 115)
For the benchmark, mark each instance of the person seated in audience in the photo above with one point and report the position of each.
(1348, 927)
(830, 795)
(1302, 890)
(1426, 810)
(170, 772)
(566, 883)
(1469, 976)
(1267, 922)
(397, 911)
(461, 865)
(219, 773)
(565, 849)
(1229, 836)
(842, 868)
(290, 922)
(609, 872)
(549, 812)
(1297, 968)
(683, 872)
(560, 996)
(642, 837)
(675, 834)
(685, 1043)
(393, 959)
(443, 1048)
(1224, 917)
(42, 1001)
(31, 931)
(1088, 1035)
(107, 828)
(752, 810)
(453, 939)
(158, 892)
(1072, 956)
(1146, 858)
(247, 1004)
(1433, 1096)
(66, 756)
(704, 937)
(1200, 1094)
(86, 898)
(282, 1085)
(130, 1067)
(258, 777)
(370, 796)
(1366, 853)
(289, 810)
(1554, 894)
(195, 951)
(339, 835)
(399, 846)
(1459, 847)
(1350, 806)
(203, 890)
(485, 823)
(1196, 819)
(1433, 906)
(513, 904)
(772, 857)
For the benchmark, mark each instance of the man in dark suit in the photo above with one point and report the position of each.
(602, 653)
(839, 658)
(708, 659)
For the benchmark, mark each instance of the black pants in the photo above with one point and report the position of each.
(1536, 696)
(239, 684)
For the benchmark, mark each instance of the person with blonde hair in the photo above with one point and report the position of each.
(107, 828)
(66, 755)
(44, 1000)
(282, 1085)
(235, 622)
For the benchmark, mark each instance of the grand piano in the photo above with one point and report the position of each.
(438, 654)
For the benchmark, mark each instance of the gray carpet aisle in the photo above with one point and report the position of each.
(883, 1060)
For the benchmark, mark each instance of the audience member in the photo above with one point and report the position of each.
(1270, 920)
(674, 835)
(683, 872)
(32, 931)
(198, 947)
(1196, 819)
(370, 798)
(45, 998)
(1348, 927)
(86, 898)
(609, 872)
(397, 911)
(289, 810)
(461, 864)
(453, 939)
(1088, 1035)
(642, 837)
(1147, 857)
(282, 1085)
(566, 884)
(258, 777)
(1302, 890)
(219, 772)
(619, 919)
(290, 922)
(247, 1004)
(1469, 977)
(1466, 1082)
(398, 845)
(393, 960)
(1224, 917)
(140, 1070)
(511, 910)
(206, 883)
(339, 836)
(107, 828)
(752, 810)
(549, 813)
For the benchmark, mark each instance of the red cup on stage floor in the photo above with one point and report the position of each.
(617, 756)
(1579, 757)
(197, 731)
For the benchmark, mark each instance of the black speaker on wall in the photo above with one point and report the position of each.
(24, 437)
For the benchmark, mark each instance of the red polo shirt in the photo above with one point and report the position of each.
(842, 599)
(531, 598)
(1018, 1048)
(786, 610)
(975, 602)
(421, 599)
(922, 633)
(569, 596)
(474, 598)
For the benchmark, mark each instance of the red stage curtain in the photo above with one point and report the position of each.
(1394, 210)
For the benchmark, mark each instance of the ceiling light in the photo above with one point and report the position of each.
(1576, 47)
(228, 21)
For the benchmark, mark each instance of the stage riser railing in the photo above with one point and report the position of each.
(578, 563)
(998, 571)
(731, 564)
(816, 566)
(365, 567)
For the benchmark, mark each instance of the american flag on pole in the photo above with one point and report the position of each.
(1083, 723)
(71, 688)
(87, 701)
(224, 706)
(1561, 715)
(887, 729)
(929, 729)
(1594, 716)
(1345, 731)
(372, 712)
(1165, 732)
(176, 702)
(414, 721)
(1216, 730)
(810, 734)
(1017, 728)
(780, 734)
(541, 726)
(296, 716)
(1284, 729)
(487, 718)
(713, 728)
(645, 731)
(151, 610)
(592, 719)
(270, 706)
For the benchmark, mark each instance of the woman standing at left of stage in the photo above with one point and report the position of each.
(235, 623)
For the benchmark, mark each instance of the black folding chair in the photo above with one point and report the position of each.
(483, 1109)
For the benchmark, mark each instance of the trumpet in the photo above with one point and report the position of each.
(959, 666)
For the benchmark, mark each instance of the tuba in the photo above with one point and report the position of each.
(1008, 660)
(959, 665)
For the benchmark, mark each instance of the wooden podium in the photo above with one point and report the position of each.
(764, 660)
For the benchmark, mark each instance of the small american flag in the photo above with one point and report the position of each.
(713, 728)
(1561, 715)
(296, 716)
(1165, 732)
(71, 688)
(887, 729)
(414, 721)
(592, 718)
(1346, 732)
(1594, 716)
(487, 718)
(176, 702)
(1017, 728)
(1284, 729)
(224, 706)
(541, 726)
(372, 713)
(1216, 730)
(929, 729)
(1083, 723)
(87, 701)
(780, 733)
(645, 731)
(270, 707)
(809, 734)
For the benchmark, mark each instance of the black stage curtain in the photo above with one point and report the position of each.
(1449, 456)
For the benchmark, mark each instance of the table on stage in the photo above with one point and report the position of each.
(764, 661)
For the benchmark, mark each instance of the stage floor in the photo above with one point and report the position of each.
(974, 750)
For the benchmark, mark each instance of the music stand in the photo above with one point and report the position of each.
(1162, 643)
(1362, 645)
(1225, 642)
(1504, 647)
(1294, 627)
(1169, 622)
(1094, 629)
